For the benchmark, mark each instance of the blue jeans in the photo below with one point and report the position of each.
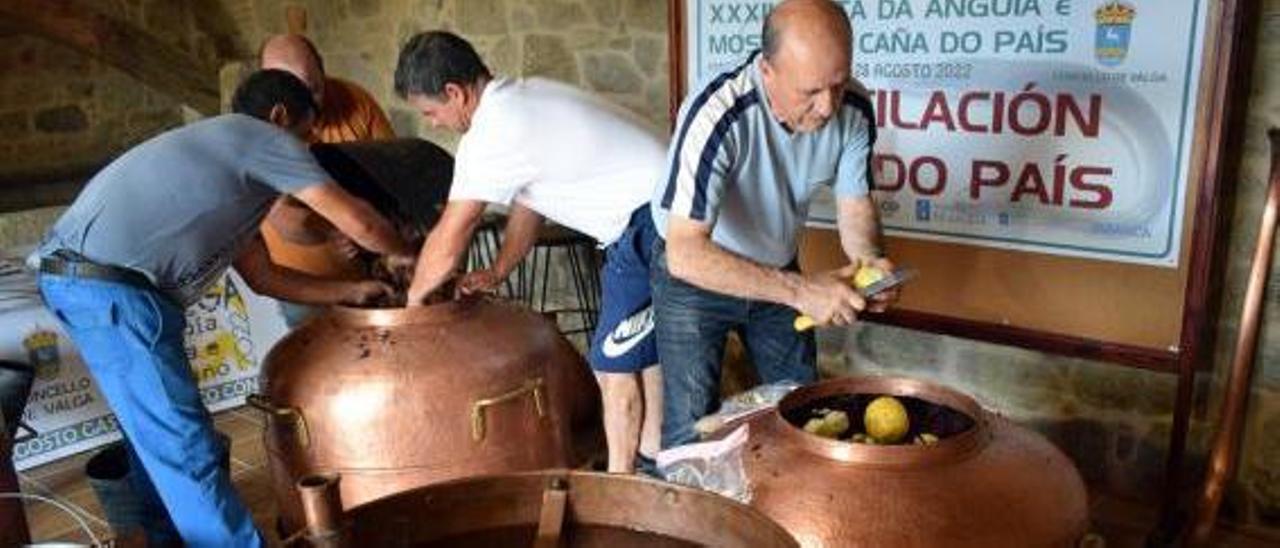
(131, 340)
(692, 324)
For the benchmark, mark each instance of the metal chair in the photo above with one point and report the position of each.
(530, 282)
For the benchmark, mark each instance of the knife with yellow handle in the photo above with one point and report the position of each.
(869, 282)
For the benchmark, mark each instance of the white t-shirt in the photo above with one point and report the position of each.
(567, 154)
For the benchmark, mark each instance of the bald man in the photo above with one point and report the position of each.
(296, 237)
(750, 149)
(347, 111)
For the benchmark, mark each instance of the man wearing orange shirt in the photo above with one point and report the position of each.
(296, 237)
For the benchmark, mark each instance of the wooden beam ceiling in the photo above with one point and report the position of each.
(163, 67)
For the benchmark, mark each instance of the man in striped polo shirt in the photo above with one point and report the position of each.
(750, 149)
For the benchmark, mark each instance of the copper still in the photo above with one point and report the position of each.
(552, 508)
(395, 399)
(991, 483)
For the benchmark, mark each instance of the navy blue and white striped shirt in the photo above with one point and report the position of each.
(733, 166)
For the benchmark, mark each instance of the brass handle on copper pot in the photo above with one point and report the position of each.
(292, 414)
(533, 385)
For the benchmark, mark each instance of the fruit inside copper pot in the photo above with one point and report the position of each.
(377, 267)
(924, 417)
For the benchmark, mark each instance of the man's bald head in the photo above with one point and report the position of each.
(805, 64)
(297, 55)
(810, 25)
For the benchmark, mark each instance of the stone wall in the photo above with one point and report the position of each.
(61, 110)
(64, 111)
(615, 47)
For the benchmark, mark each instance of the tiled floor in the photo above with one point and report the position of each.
(1121, 523)
(65, 481)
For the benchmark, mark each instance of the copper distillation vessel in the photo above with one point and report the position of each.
(394, 399)
(397, 398)
(551, 508)
(991, 484)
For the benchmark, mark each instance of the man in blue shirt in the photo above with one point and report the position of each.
(750, 149)
(145, 238)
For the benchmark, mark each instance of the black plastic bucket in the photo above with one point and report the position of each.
(129, 505)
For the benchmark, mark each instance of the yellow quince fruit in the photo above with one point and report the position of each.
(886, 420)
(866, 276)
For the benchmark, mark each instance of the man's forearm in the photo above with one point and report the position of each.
(859, 225)
(445, 247)
(296, 223)
(299, 287)
(355, 218)
(519, 236)
(285, 283)
(436, 265)
(703, 263)
(380, 236)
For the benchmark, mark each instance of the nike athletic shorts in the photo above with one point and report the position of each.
(624, 340)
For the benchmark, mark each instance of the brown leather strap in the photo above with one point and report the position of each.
(82, 268)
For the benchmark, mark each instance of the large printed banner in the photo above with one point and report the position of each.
(1055, 126)
(228, 331)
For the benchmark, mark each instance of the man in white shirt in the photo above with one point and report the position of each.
(547, 149)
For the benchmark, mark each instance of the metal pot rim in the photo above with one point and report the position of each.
(948, 450)
(447, 311)
(533, 484)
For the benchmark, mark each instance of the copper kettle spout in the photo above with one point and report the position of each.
(326, 526)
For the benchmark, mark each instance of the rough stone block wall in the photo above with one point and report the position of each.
(60, 109)
(63, 110)
(615, 47)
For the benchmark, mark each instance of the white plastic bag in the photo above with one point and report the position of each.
(714, 466)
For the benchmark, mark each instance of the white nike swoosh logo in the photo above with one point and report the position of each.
(628, 334)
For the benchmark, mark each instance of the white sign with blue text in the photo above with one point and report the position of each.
(1053, 126)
